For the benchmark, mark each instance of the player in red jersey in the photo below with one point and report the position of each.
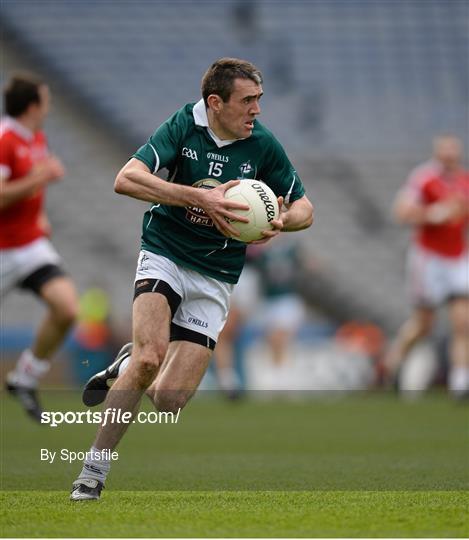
(28, 259)
(435, 201)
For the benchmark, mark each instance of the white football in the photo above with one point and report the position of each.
(263, 208)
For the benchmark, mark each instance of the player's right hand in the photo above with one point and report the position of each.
(220, 209)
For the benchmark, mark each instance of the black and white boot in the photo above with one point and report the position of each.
(98, 385)
(86, 489)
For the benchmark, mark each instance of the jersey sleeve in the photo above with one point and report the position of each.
(6, 158)
(418, 184)
(280, 174)
(162, 148)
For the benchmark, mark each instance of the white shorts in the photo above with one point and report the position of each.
(433, 280)
(16, 264)
(203, 302)
(246, 292)
(286, 312)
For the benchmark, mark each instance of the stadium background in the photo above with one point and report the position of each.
(354, 89)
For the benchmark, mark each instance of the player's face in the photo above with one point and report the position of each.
(44, 105)
(448, 150)
(236, 116)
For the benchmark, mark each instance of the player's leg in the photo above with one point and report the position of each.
(278, 340)
(155, 275)
(224, 357)
(244, 300)
(58, 293)
(205, 303)
(151, 322)
(184, 366)
(195, 328)
(416, 328)
(283, 316)
(426, 292)
(456, 277)
(61, 299)
(458, 310)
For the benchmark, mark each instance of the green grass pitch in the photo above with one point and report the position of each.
(360, 466)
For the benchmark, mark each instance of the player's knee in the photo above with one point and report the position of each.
(151, 353)
(66, 313)
(460, 326)
(170, 400)
(148, 359)
(146, 369)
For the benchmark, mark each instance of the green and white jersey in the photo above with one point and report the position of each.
(195, 156)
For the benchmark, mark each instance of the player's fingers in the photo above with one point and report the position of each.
(224, 227)
(280, 202)
(235, 217)
(221, 229)
(229, 185)
(277, 224)
(234, 205)
(270, 233)
(265, 239)
(267, 235)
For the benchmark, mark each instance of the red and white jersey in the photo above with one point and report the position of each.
(428, 184)
(20, 149)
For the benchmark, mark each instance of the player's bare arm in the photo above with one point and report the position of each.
(135, 180)
(48, 170)
(298, 215)
(407, 211)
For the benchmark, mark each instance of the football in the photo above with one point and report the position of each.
(263, 208)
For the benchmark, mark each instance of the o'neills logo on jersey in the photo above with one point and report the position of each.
(269, 207)
(218, 157)
(198, 216)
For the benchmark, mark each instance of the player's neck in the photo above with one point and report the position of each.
(215, 126)
(28, 122)
(451, 168)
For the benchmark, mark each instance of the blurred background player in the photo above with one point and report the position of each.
(29, 261)
(229, 353)
(435, 201)
(283, 309)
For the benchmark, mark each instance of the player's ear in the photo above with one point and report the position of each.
(215, 102)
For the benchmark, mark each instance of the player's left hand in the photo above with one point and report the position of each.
(277, 226)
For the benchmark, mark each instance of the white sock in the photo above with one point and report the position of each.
(29, 370)
(95, 466)
(458, 380)
(124, 365)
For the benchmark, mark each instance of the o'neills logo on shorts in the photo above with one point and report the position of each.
(269, 207)
(198, 322)
(198, 216)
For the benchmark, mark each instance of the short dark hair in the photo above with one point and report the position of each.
(220, 76)
(21, 90)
